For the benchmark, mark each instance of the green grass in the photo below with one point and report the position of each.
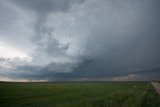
(128, 94)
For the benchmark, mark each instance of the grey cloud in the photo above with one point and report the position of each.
(51, 46)
(123, 43)
(51, 71)
(43, 9)
(2, 59)
(114, 38)
(47, 6)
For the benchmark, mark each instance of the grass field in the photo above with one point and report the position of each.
(122, 94)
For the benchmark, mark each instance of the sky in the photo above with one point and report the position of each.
(79, 40)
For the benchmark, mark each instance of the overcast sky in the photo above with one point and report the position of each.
(48, 40)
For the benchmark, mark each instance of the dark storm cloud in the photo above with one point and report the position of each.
(122, 38)
(46, 6)
(116, 40)
(43, 8)
(49, 72)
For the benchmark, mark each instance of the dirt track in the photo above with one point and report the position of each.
(156, 85)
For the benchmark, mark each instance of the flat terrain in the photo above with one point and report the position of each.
(116, 94)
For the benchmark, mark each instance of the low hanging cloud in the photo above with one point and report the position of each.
(81, 39)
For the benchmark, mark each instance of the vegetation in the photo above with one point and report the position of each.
(122, 94)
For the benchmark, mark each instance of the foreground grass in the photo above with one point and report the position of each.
(130, 94)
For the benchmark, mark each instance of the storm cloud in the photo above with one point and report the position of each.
(80, 40)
